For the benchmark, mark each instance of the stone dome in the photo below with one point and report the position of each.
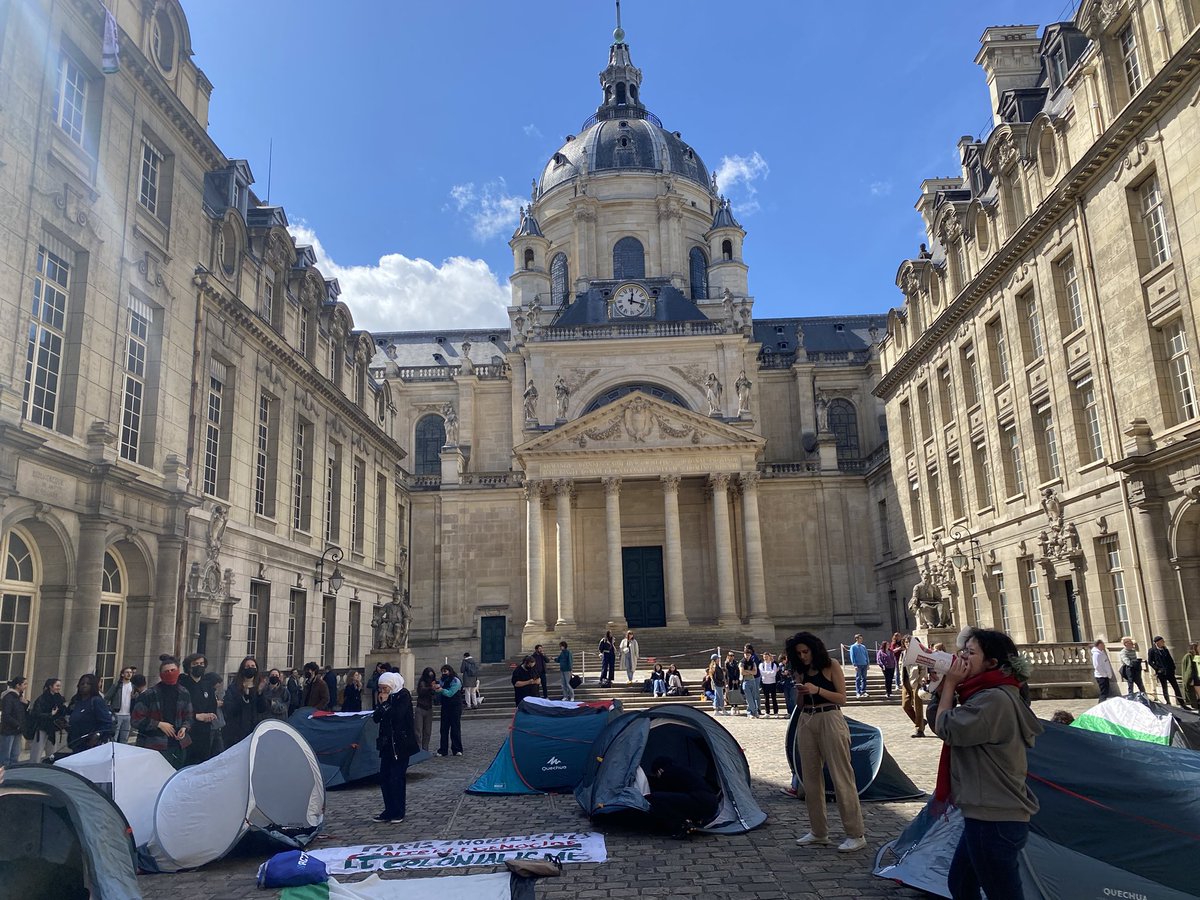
(629, 139)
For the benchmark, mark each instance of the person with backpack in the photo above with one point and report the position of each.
(469, 670)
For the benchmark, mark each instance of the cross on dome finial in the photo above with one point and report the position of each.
(619, 32)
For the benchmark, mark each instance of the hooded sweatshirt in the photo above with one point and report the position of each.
(988, 736)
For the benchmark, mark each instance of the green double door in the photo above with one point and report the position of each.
(645, 594)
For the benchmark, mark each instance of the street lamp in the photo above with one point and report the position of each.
(960, 559)
(334, 554)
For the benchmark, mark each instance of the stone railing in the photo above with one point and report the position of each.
(485, 371)
(776, 359)
(493, 479)
(776, 470)
(1059, 670)
(425, 482)
(629, 330)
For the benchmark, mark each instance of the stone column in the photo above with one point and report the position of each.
(564, 490)
(165, 610)
(1162, 600)
(726, 602)
(676, 614)
(535, 556)
(616, 581)
(85, 610)
(756, 578)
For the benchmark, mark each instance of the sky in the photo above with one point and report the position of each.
(401, 138)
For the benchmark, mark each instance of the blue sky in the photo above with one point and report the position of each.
(406, 134)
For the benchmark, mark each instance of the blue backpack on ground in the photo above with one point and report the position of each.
(292, 868)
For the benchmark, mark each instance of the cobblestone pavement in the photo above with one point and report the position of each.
(765, 863)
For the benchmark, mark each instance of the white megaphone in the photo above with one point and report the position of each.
(918, 654)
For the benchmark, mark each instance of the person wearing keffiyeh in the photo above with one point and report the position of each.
(986, 729)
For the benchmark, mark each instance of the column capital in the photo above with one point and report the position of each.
(612, 486)
(719, 481)
(670, 483)
(534, 490)
(749, 480)
(564, 487)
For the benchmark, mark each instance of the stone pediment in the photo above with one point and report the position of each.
(640, 434)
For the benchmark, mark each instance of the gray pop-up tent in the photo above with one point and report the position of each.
(686, 735)
(344, 744)
(269, 782)
(1095, 791)
(65, 839)
(876, 774)
(132, 776)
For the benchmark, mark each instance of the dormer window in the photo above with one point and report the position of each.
(779, 329)
(1058, 67)
(783, 345)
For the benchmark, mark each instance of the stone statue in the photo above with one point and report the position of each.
(468, 367)
(822, 412)
(531, 398)
(931, 610)
(562, 394)
(742, 386)
(712, 393)
(450, 415)
(391, 623)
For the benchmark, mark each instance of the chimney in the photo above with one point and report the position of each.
(1009, 57)
(924, 204)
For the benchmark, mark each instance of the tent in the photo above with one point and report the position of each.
(269, 782)
(1142, 719)
(344, 744)
(65, 839)
(1117, 819)
(688, 736)
(876, 774)
(132, 776)
(548, 744)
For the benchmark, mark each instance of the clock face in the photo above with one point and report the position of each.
(631, 300)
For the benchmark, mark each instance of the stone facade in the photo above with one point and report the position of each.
(1039, 378)
(177, 378)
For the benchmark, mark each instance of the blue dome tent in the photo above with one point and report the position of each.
(876, 774)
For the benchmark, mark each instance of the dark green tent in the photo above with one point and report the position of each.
(344, 745)
(67, 839)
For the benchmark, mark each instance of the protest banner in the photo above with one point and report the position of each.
(567, 847)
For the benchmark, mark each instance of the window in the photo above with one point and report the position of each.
(945, 393)
(529, 258)
(1154, 222)
(333, 494)
(358, 504)
(971, 385)
(1127, 41)
(430, 438)
(560, 283)
(1179, 361)
(843, 422)
(885, 534)
(162, 40)
(70, 99)
(958, 266)
(112, 602)
(152, 159)
(1002, 601)
(1043, 420)
(1035, 599)
(998, 346)
(698, 269)
(1034, 345)
(958, 488)
(935, 500)
(213, 429)
(925, 410)
(1071, 301)
(629, 260)
(1014, 468)
(328, 630)
(381, 504)
(914, 501)
(1110, 546)
(1091, 447)
(256, 612)
(983, 475)
(268, 295)
(133, 414)
(971, 590)
(727, 250)
(47, 338)
(297, 600)
(352, 647)
(906, 425)
(302, 476)
(302, 343)
(16, 605)
(1058, 66)
(266, 447)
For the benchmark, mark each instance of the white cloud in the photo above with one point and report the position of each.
(402, 294)
(880, 188)
(736, 177)
(532, 131)
(490, 209)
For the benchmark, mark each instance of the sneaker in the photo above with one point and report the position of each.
(790, 791)
(811, 839)
(396, 821)
(849, 845)
(459, 753)
(442, 753)
(380, 818)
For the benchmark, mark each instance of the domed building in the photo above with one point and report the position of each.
(635, 449)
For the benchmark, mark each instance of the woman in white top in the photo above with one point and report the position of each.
(768, 671)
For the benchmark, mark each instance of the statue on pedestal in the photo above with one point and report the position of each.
(391, 623)
(712, 393)
(531, 399)
(742, 386)
(927, 603)
(450, 415)
(562, 393)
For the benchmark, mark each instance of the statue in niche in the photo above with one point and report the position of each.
(927, 603)
(450, 415)
(712, 393)
(742, 386)
(531, 399)
(822, 412)
(562, 394)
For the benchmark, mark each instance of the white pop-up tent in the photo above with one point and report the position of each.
(131, 776)
(270, 782)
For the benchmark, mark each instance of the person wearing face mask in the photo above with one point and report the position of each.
(162, 715)
(245, 706)
(204, 690)
(276, 693)
(316, 692)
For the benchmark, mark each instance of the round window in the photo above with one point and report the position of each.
(983, 238)
(227, 248)
(162, 40)
(1047, 153)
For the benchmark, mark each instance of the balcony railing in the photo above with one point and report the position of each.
(775, 470)
(621, 112)
(769, 359)
(485, 371)
(629, 330)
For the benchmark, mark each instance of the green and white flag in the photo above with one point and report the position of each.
(464, 887)
(1127, 719)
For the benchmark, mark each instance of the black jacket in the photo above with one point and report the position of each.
(12, 713)
(242, 712)
(42, 715)
(1161, 661)
(397, 735)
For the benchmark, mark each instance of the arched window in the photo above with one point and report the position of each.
(431, 435)
(698, 264)
(727, 249)
(629, 260)
(559, 279)
(529, 257)
(618, 392)
(16, 605)
(843, 422)
(112, 608)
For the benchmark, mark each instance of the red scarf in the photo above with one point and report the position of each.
(966, 689)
